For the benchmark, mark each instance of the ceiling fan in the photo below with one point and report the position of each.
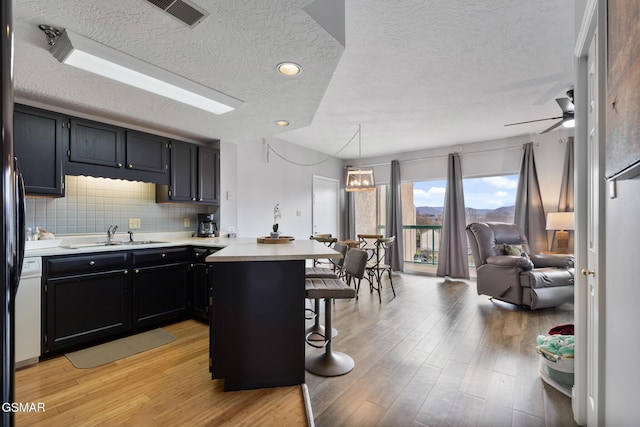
(566, 104)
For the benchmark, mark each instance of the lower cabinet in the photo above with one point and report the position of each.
(200, 286)
(87, 298)
(93, 297)
(159, 286)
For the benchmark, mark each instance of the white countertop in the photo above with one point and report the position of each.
(68, 245)
(253, 251)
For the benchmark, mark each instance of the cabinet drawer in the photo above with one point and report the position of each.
(159, 256)
(86, 263)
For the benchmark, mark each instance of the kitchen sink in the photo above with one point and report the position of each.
(114, 243)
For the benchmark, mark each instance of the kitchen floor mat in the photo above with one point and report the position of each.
(119, 349)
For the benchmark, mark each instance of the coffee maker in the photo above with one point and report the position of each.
(207, 227)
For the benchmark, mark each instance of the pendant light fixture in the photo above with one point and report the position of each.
(360, 178)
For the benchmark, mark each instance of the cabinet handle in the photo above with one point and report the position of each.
(130, 166)
(164, 255)
(92, 263)
(198, 254)
(119, 165)
(136, 271)
(125, 272)
(193, 199)
(200, 199)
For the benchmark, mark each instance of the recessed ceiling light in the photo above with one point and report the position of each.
(282, 123)
(288, 68)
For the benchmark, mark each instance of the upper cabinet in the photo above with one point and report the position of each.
(195, 175)
(99, 149)
(97, 144)
(39, 137)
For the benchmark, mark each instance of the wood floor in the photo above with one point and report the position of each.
(437, 354)
(165, 386)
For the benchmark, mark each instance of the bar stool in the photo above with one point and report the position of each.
(332, 363)
(317, 331)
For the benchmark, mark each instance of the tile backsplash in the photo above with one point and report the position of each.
(92, 204)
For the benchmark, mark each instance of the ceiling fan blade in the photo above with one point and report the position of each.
(533, 121)
(565, 104)
(553, 127)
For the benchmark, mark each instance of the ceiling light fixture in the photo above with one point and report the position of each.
(289, 68)
(282, 122)
(81, 52)
(359, 178)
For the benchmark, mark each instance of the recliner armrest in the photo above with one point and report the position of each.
(551, 260)
(510, 261)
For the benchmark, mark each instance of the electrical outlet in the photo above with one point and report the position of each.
(187, 223)
(134, 223)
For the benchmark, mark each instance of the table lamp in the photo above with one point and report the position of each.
(561, 222)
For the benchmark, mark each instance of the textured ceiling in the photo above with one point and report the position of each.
(416, 74)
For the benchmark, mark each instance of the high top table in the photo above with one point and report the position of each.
(256, 313)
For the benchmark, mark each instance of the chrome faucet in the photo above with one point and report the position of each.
(111, 232)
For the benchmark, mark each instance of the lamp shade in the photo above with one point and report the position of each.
(360, 179)
(560, 221)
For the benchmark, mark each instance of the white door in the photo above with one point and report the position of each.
(326, 207)
(594, 270)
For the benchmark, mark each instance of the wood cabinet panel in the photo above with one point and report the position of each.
(38, 144)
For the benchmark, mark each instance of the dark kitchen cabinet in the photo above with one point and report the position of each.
(159, 281)
(39, 137)
(200, 282)
(146, 152)
(96, 144)
(87, 298)
(99, 149)
(194, 175)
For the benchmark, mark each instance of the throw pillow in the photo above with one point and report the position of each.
(517, 250)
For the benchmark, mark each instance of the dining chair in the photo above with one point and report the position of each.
(379, 263)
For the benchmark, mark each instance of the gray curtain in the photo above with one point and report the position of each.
(529, 211)
(394, 218)
(350, 217)
(453, 259)
(565, 201)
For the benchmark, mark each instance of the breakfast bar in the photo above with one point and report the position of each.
(257, 313)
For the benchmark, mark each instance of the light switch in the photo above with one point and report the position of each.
(134, 223)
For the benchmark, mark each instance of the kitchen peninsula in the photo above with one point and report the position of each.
(257, 320)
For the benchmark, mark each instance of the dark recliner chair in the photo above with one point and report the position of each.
(531, 280)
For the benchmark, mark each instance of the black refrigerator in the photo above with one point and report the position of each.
(11, 216)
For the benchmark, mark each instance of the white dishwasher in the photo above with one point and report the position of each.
(28, 313)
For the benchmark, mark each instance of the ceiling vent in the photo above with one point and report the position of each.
(185, 11)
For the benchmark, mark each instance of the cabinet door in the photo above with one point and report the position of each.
(184, 179)
(147, 152)
(38, 144)
(96, 143)
(86, 307)
(200, 296)
(209, 175)
(160, 294)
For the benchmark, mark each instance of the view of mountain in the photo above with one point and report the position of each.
(427, 215)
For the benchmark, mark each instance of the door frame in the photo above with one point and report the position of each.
(592, 29)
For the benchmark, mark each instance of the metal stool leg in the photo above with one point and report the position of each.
(330, 363)
(317, 331)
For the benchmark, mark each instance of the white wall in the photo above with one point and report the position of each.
(621, 318)
(482, 159)
(262, 184)
(257, 184)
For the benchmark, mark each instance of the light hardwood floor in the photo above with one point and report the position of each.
(437, 354)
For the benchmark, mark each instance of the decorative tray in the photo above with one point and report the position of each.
(271, 240)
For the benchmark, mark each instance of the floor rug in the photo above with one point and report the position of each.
(119, 349)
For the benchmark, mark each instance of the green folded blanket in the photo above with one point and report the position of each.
(555, 347)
